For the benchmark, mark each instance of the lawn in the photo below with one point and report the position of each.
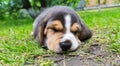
(17, 47)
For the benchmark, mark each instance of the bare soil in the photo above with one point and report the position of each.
(95, 56)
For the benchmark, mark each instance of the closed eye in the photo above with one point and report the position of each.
(75, 32)
(56, 30)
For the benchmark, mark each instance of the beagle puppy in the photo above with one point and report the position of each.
(60, 29)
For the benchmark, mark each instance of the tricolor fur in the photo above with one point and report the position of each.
(60, 29)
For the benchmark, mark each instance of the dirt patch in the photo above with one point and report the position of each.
(84, 61)
(95, 56)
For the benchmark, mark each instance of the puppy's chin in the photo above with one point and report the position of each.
(59, 50)
(56, 49)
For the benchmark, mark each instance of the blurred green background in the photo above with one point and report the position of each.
(19, 8)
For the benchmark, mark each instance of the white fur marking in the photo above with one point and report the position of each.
(68, 35)
(68, 23)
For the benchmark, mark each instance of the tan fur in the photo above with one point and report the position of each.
(75, 27)
(53, 38)
(57, 24)
(79, 42)
(54, 25)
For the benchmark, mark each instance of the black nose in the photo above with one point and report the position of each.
(65, 45)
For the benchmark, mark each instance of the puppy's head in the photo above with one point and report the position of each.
(60, 29)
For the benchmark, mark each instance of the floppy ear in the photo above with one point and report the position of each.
(38, 32)
(85, 32)
(38, 28)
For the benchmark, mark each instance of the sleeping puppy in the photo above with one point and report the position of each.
(60, 29)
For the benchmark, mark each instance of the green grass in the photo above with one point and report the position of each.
(17, 47)
(16, 44)
(105, 25)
